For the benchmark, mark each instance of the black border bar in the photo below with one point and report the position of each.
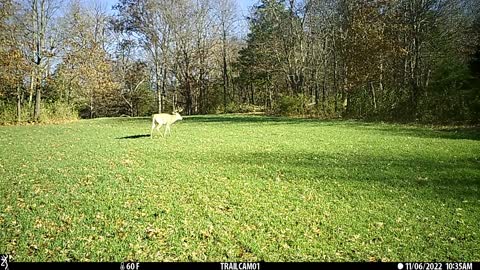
(238, 265)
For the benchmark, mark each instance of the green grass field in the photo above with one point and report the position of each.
(239, 188)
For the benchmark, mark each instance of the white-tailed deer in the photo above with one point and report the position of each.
(160, 119)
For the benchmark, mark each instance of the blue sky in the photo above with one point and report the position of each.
(243, 5)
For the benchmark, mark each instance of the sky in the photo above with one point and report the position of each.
(243, 5)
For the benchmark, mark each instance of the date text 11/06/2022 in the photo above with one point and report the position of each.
(436, 266)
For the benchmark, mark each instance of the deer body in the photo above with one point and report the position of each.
(160, 119)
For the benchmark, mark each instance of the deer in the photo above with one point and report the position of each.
(166, 119)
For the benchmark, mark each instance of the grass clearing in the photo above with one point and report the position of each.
(239, 188)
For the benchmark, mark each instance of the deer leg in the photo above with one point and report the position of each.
(153, 126)
(167, 129)
(158, 127)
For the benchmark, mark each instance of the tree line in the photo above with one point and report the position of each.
(414, 60)
(388, 59)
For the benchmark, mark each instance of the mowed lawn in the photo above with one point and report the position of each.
(239, 188)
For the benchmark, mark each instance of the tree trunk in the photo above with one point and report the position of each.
(19, 105)
(346, 88)
(415, 58)
(201, 80)
(252, 89)
(159, 94)
(324, 83)
(188, 101)
(270, 98)
(164, 79)
(427, 81)
(174, 94)
(335, 65)
(91, 105)
(225, 74)
(324, 95)
(345, 103)
(174, 103)
(374, 98)
(159, 99)
(36, 114)
(32, 88)
(380, 80)
(188, 87)
(205, 99)
(157, 77)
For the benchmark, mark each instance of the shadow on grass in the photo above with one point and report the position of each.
(132, 119)
(422, 176)
(134, 136)
(455, 133)
(472, 133)
(240, 119)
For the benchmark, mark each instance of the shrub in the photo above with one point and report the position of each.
(233, 107)
(288, 105)
(58, 112)
(8, 113)
(51, 113)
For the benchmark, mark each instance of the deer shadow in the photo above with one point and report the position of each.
(134, 137)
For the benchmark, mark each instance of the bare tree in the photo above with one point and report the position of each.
(225, 11)
(39, 17)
